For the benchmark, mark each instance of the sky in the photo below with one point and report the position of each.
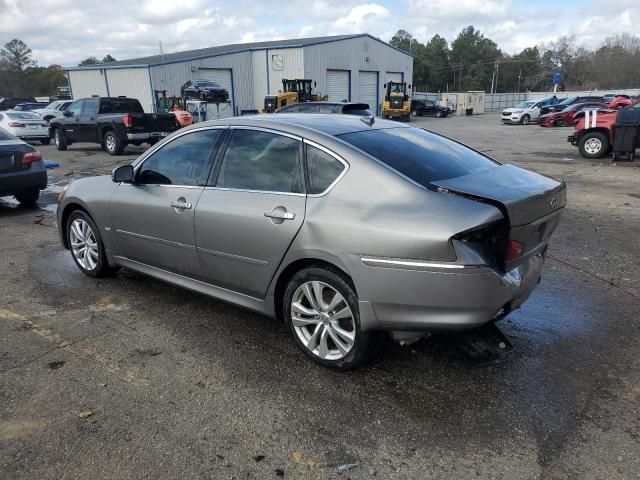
(67, 31)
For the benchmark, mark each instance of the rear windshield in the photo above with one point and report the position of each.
(23, 116)
(4, 135)
(422, 156)
(120, 106)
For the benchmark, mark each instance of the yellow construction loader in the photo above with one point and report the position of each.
(293, 91)
(396, 101)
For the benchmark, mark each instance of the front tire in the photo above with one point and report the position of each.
(28, 198)
(438, 114)
(112, 143)
(86, 245)
(60, 139)
(320, 308)
(593, 145)
(525, 120)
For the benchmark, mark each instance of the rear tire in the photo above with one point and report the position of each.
(327, 327)
(593, 145)
(112, 143)
(525, 120)
(60, 139)
(28, 198)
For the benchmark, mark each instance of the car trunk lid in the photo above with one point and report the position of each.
(11, 156)
(153, 122)
(530, 202)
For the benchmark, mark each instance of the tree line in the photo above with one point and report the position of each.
(20, 75)
(474, 62)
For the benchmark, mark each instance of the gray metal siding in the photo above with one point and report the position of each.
(172, 76)
(284, 63)
(355, 54)
(260, 76)
(368, 89)
(133, 83)
(338, 88)
(85, 83)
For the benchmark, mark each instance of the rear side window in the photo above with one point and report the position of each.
(422, 156)
(90, 107)
(262, 161)
(114, 105)
(322, 169)
(184, 161)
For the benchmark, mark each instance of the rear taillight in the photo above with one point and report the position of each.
(514, 250)
(29, 157)
(128, 121)
(17, 125)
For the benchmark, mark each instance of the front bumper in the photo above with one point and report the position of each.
(14, 182)
(512, 119)
(431, 297)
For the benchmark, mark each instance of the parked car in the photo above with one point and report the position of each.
(524, 113)
(595, 133)
(29, 106)
(342, 228)
(206, 90)
(620, 102)
(346, 108)
(25, 126)
(10, 103)
(420, 108)
(53, 110)
(22, 171)
(113, 122)
(558, 107)
(568, 116)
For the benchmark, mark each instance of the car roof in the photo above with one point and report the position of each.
(312, 122)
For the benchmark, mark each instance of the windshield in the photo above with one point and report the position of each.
(4, 135)
(53, 105)
(422, 156)
(23, 116)
(207, 83)
(525, 105)
(567, 101)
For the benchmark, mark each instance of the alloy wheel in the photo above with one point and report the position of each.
(593, 146)
(110, 143)
(83, 244)
(323, 320)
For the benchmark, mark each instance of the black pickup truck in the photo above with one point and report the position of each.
(114, 122)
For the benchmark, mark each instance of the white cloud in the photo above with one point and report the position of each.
(360, 17)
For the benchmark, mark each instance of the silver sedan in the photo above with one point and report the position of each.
(344, 227)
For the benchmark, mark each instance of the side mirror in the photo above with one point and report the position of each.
(67, 113)
(123, 173)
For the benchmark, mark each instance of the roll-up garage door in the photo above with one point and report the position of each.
(338, 85)
(368, 89)
(393, 77)
(221, 76)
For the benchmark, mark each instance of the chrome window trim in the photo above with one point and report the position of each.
(248, 190)
(334, 155)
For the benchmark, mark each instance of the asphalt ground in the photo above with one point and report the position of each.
(129, 378)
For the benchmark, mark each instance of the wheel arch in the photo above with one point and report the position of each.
(604, 131)
(287, 272)
(68, 209)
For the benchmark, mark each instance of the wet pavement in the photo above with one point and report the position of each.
(126, 377)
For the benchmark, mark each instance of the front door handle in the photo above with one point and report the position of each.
(280, 215)
(181, 205)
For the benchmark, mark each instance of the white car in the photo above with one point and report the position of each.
(53, 110)
(27, 126)
(524, 113)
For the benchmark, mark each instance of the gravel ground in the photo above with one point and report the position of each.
(125, 377)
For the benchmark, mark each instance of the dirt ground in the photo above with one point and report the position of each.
(129, 378)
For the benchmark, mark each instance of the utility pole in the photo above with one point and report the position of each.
(519, 75)
(497, 71)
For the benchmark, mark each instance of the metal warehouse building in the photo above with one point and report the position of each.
(352, 67)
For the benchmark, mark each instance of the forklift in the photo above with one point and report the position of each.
(396, 101)
(293, 91)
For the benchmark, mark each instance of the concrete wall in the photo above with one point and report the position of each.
(356, 54)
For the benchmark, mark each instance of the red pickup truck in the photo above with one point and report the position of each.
(595, 132)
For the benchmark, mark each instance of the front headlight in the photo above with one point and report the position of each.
(517, 111)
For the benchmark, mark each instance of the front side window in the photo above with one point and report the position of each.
(422, 156)
(262, 161)
(184, 161)
(76, 108)
(322, 168)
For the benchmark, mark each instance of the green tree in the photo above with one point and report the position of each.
(17, 55)
(473, 58)
(436, 58)
(89, 61)
(108, 59)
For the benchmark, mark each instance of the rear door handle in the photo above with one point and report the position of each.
(181, 205)
(279, 214)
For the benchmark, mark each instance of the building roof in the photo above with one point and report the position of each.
(227, 49)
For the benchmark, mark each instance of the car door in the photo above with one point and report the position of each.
(255, 206)
(87, 129)
(535, 111)
(153, 216)
(72, 121)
